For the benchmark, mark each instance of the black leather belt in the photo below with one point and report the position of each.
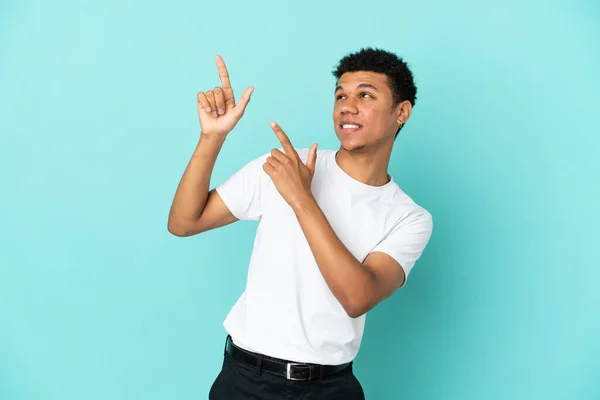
(290, 370)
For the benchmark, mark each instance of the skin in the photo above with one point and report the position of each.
(364, 98)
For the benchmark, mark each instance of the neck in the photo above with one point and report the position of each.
(369, 168)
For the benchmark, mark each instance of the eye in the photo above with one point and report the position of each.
(339, 96)
(366, 94)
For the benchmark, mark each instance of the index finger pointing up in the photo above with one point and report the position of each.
(223, 73)
(225, 83)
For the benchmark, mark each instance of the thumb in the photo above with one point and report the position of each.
(241, 105)
(312, 158)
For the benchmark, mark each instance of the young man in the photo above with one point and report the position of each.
(336, 234)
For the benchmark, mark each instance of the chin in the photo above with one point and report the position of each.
(352, 145)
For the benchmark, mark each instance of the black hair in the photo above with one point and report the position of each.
(399, 76)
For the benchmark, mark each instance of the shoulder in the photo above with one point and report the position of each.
(409, 211)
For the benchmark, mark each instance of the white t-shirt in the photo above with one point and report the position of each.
(287, 310)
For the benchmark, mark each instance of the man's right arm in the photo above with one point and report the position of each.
(195, 209)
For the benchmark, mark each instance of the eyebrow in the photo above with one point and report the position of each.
(362, 85)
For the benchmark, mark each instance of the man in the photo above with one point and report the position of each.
(336, 234)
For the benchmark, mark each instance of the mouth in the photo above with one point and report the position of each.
(349, 128)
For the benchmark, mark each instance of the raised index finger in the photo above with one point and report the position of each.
(223, 73)
(283, 139)
(225, 84)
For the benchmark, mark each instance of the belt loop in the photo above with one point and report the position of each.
(321, 372)
(259, 362)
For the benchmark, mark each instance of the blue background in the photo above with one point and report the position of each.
(98, 121)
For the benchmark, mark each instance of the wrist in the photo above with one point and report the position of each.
(209, 135)
(214, 139)
(303, 204)
(209, 146)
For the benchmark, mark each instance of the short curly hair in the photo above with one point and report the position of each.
(400, 78)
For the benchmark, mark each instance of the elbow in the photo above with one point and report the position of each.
(358, 300)
(354, 313)
(356, 309)
(184, 230)
(176, 232)
(177, 229)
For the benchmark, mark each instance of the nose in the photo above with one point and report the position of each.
(348, 106)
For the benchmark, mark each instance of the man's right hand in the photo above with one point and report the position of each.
(217, 110)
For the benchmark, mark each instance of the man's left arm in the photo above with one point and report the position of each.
(358, 286)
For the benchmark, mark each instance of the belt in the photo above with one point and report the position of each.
(294, 371)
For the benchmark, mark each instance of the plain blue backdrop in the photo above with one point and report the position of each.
(98, 121)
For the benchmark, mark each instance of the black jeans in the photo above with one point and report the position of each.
(238, 381)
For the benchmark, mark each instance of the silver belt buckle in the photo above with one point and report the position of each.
(288, 374)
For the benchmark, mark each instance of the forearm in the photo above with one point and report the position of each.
(349, 281)
(192, 191)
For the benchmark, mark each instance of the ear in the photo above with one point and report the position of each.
(403, 111)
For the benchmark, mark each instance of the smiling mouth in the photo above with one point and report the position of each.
(350, 127)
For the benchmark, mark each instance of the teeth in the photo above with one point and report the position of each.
(350, 126)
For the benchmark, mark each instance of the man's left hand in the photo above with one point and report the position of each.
(289, 174)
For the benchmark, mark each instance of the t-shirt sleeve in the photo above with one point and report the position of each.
(243, 193)
(407, 240)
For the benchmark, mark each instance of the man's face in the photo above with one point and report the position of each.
(364, 115)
